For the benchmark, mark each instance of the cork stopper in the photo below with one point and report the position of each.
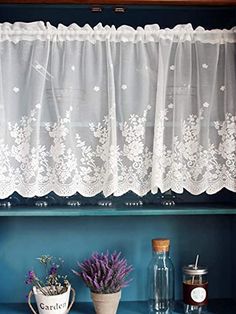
(160, 245)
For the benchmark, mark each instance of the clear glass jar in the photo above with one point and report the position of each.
(161, 278)
(195, 289)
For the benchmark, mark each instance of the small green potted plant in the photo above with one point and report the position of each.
(52, 293)
(105, 275)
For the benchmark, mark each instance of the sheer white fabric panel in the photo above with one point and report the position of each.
(111, 110)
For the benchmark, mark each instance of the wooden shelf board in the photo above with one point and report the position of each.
(120, 2)
(119, 211)
(218, 306)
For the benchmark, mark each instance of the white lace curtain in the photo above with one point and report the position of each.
(111, 110)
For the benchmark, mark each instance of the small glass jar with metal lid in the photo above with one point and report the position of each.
(195, 289)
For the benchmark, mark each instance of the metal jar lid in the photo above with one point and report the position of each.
(194, 271)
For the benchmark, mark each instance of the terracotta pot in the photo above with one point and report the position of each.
(106, 303)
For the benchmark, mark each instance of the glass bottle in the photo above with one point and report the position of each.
(161, 278)
(195, 289)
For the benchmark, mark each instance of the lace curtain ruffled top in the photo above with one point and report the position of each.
(38, 30)
(110, 110)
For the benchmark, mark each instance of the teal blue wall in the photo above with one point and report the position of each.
(24, 239)
(233, 250)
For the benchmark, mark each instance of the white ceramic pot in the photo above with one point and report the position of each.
(106, 303)
(53, 304)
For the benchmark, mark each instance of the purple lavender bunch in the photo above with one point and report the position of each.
(31, 277)
(104, 273)
(53, 283)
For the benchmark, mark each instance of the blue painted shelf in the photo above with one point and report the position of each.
(212, 209)
(219, 306)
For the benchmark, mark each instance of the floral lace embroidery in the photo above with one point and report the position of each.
(32, 161)
(36, 166)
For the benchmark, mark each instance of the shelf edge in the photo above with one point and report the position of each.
(114, 212)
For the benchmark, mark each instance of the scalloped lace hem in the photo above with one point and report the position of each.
(194, 188)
